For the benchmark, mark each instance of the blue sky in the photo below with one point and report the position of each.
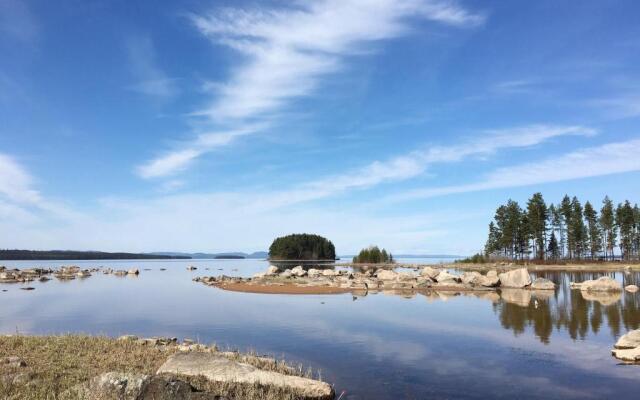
(214, 126)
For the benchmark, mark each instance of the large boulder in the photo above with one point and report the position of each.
(631, 288)
(518, 278)
(543, 284)
(387, 275)
(313, 272)
(472, 278)
(219, 369)
(602, 284)
(627, 355)
(491, 279)
(430, 272)
(445, 277)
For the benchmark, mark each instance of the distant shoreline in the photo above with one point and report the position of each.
(65, 255)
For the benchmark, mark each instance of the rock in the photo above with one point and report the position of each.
(167, 387)
(406, 276)
(13, 361)
(259, 275)
(543, 284)
(217, 368)
(628, 355)
(630, 340)
(386, 275)
(329, 272)
(127, 338)
(313, 272)
(298, 271)
(133, 271)
(83, 274)
(429, 272)
(285, 274)
(27, 288)
(112, 386)
(44, 279)
(518, 278)
(191, 268)
(631, 288)
(120, 273)
(602, 284)
(472, 278)
(446, 278)
(272, 270)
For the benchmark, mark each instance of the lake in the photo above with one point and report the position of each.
(440, 346)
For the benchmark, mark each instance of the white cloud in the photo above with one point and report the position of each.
(611, 158)
(287, 52)
(619, 107)
(151, 79)
(16, 183)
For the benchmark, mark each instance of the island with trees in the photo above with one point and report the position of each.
(373, 255)
(302, 246)
(564, 231)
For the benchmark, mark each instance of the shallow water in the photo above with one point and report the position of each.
(524, 345)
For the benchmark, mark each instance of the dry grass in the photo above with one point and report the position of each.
(56, 364)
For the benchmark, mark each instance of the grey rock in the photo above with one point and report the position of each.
(518, 278)
(543, 284)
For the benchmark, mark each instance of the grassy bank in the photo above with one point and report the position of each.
(55, 364)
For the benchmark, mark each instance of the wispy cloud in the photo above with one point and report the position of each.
(288, 51)
(16, 184)
(627, 106)
(177, 160)
(151, 80)
(608, 159)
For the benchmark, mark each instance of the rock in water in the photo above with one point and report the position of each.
(445, 277)
(133, 271)
(630, 340)
(631, 288)
(429, 272)
(472, 278)
(518, 278)
(602, 284)
(490, 279)
(387, 275)
(543, 284)
(217, 368)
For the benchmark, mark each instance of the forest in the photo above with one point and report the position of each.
(565, 231)
(373, 255)
(302, 246)
(77, 255)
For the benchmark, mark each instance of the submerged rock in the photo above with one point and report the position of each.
(518, 278)
(217, 368)
(543, 284)
(602, 284)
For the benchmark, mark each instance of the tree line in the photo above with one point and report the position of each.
(302, 246)
(373, 255)
(565, 231)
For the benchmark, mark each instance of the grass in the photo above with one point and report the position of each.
(56, 364)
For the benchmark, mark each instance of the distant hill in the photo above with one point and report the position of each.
(232, 255)
(397, 256)
(79, 255)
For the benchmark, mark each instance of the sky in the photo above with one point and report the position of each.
(219, 125)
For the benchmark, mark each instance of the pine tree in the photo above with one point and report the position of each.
(553, 250)
(537, 224)
(577, 229)
(566, 212)
(608, 227)
(593, 228)
(625, 222)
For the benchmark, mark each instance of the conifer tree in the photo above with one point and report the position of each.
(608, 227)
(593, 229)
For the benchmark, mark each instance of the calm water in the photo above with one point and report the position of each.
(374, 347)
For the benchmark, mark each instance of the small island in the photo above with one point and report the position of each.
(302, 247)
(373, 255)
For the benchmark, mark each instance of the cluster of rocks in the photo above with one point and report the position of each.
(388, 279)
(121, 272)
(180, 377)
(23, 276)
(64, 273)
(627, 348)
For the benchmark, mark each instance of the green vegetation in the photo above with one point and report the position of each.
(477, 258)
(302, 247)
(566, 231)
(373, 255)
(78, 255)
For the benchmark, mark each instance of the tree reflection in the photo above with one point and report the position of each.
(570, 310)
